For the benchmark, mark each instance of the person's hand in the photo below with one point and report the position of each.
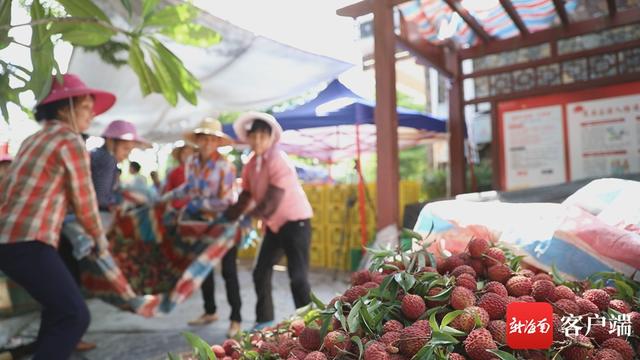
(100, 246)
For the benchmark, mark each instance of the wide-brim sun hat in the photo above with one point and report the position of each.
(72, 86)
(179, 145)
(124, 130)
(242, 125)
(212, 127)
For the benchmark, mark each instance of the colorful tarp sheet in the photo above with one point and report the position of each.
(596, 229)
(154, 261)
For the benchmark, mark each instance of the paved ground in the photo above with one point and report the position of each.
(124, 336)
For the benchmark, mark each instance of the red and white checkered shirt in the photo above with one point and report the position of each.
(50, 174)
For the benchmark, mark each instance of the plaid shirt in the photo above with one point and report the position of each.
(209, 186)
(50, 174)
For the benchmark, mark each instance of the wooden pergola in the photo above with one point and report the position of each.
(538, 76)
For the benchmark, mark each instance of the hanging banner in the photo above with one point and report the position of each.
(563, 137)
(534, 147)
(604, 137)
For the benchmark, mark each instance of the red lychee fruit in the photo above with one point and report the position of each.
(392, 325)
(496, 288)
(494, 256)
(461, 298)
(412, 339)
(620, 306)
(586, 307)
(519, 286)
(500, 273)
(413, 306)
(478, 247)
(335, 342)
(498, 330)
(477, 344)
(463, 269)
(494, 304)
(316, 355)
(310, 339)
(599, 297)
(466, 280)
(542, 290)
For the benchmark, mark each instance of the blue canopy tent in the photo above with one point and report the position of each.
(337, 105)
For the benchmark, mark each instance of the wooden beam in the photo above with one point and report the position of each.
(457, 160)
(469, 19)
(613, 8)
(578, 28)
(496, 166)
(515, 17)
(556, 59)
(427, 54)
(386, 117)
(562, 12)
(364, 7)
(578, 85)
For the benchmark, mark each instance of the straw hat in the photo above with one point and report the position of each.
(209, 126)
(72, 86)
(178, 146)
(242, 125)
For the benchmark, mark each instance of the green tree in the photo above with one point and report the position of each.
(83, 24)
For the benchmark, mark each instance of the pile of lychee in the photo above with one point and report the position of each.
(390, 311)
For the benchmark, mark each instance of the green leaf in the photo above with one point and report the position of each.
(187, 84)
(171, 15)
(5, 20)
(353, 320)
(148, 7)
(163, 75)
(433, 322)
(425, 353)
(173, 357)
(440, 338)
(200, 347)
(515, 262)
(41, 54)
(358, 341)
(444, 295)
(503, 355)
(432, 260)
(148, 82)
(127, 6)
(557, 278)
(317, 301)
(326, 321)
(406, 243)
(411, 234)
(343, 321)
(450, 317)
(84, 9)
(367, 320)
(452, 331)
(625, 290)
(86, 34)
(192, 34)
(405, 280)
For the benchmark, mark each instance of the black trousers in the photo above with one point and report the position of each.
(65, 317)
(293, 240)
(230, 276)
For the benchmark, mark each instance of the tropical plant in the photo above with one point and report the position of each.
(83, 24)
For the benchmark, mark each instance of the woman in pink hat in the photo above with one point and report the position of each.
(50, 174)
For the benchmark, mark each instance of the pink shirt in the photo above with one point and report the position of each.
(274, 168)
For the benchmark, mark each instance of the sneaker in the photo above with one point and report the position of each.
(204, 319)
(234, 329)
(262, 325)
(83, 346)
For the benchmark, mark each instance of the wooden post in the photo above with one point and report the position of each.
(386, 117)
(457, 159)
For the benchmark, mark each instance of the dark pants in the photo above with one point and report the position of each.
(230, 276)
(65, 249)
(65, 317)
(293, 240)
